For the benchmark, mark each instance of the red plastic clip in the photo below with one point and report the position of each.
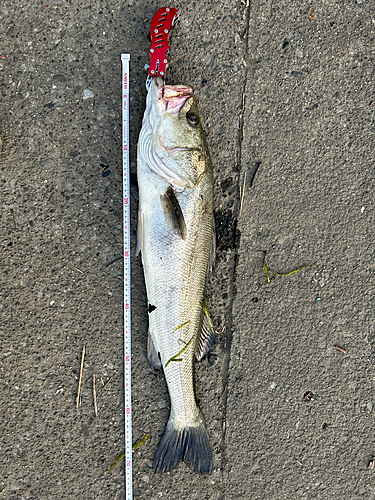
(161, 24)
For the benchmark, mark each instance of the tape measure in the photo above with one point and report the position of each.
(125, 58)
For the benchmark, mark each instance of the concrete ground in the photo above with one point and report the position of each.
(285, 91)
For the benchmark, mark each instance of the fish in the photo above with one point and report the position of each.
(176, 238)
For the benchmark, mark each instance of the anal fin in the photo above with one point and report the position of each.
(152, 354)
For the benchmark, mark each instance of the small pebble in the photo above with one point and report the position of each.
(59, 78)
(48, 163)
(88, 94)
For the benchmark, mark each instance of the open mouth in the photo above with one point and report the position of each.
(174, 97)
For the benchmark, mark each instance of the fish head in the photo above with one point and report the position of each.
(177, 133)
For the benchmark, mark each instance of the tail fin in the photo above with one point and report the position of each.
(190, 445)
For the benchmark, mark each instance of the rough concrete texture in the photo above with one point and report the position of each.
(287, 106)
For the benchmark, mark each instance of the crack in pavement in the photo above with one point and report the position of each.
(228, 335)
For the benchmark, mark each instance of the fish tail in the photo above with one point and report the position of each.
(190, 445)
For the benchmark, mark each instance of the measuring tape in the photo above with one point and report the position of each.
(125, 58)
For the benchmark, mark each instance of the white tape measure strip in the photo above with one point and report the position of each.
(125, 58)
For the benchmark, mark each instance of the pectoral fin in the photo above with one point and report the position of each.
(172, 213)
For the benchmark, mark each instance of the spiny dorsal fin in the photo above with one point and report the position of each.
(172, 213)
(207, 337)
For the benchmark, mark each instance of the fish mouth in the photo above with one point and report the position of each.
(173, 97)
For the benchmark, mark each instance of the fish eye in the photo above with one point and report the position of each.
(192, 118)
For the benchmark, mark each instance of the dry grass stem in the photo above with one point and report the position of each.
(113, 262)
(243, 193)
(108, 381)
(340, 349)
(80, 375)
(15, 219)
(94, 393)
(55, 398)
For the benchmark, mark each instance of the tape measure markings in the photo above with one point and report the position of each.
(125, 58)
